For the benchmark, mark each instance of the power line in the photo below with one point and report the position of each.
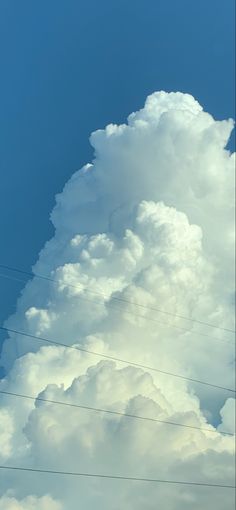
(117, 413)
(129, 312)
(118, 477)
(113, 358)
(123, 300)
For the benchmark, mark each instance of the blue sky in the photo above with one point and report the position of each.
(68, 68)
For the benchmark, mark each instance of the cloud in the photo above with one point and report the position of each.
(149, 222)
(29, 503)
(228, 415)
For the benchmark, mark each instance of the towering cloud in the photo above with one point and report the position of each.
(143, 237)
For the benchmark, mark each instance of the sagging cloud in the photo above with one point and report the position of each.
(149, 222)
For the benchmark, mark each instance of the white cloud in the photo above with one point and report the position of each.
(149, 222)
(228, 415)
(29, 503)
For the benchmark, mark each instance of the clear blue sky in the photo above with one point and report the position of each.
(69, 67)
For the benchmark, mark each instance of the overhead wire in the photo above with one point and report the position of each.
(110, 411)
(129, 312)
(116, 298)
(117, 477)
(113, 358)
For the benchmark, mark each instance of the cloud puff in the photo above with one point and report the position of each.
(29, 503)
(228, 415)
(146, 227)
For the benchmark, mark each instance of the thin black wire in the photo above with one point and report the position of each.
(113, 358)
(129, 312)
(117, 477)
(117, 413)
(123, 300)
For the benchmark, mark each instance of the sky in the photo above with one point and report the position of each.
(69, 70)
(117, 184)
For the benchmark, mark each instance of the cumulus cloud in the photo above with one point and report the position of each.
(147, 226)
(29, 503)
(228, 415)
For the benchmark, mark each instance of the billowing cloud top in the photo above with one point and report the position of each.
(147, 226)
